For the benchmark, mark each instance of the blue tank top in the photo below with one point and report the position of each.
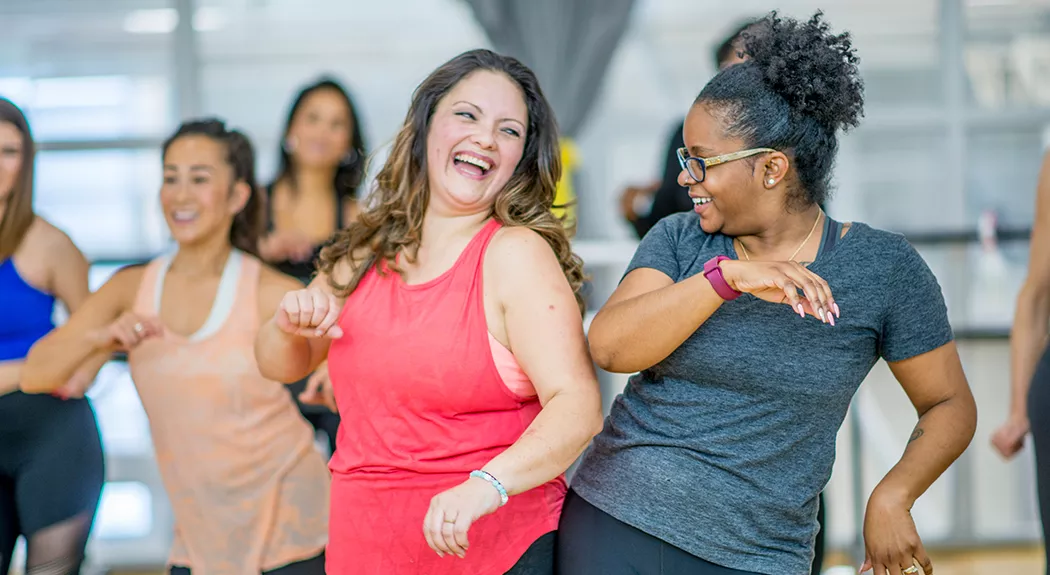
(26, 310)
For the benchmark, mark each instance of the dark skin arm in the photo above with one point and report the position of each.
(937, 387)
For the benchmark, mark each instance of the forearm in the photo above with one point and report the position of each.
(638, 333)
(557, 436)
(10, 374)
(1028, 337)
(283, 357)
(53, 361)
(942, 434)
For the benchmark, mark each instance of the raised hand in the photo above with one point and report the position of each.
(309, 312)
(780, 282)
(319, 390)
(126, 332)
(1008, 440)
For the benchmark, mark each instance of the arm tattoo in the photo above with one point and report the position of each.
(916, 434)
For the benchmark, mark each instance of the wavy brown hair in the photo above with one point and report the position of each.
(393, 222)
(18, 215)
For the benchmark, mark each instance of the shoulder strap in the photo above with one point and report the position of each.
(832, 232)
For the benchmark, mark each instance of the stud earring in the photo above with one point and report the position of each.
(772, 181)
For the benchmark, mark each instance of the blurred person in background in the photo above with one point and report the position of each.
(643, 206)
(713, 458)
(315, 193)
(247, 487)
(51, 463)
(1030, 356)
(451, 316)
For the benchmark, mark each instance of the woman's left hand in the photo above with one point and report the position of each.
(452, 512)
(891, 542)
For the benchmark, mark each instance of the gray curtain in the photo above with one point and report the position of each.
(567, 43)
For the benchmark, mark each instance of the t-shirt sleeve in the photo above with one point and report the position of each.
(658, 250)
(915, 319)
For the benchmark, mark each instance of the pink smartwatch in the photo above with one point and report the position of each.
(713, 273)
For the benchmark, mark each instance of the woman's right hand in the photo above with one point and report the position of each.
(1009, 438)
(309, 312)
(280, 246)
(126, 332)
(780, 282)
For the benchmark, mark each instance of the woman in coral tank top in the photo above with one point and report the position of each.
(451, 318)
(247, 487)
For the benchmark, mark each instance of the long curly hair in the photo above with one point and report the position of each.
(393, 221)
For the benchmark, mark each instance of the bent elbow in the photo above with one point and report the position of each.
(602, 355)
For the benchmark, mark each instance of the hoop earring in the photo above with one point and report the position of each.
(349, 158)
(289, 144)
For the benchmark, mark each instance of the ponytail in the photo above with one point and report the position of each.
(250, 223)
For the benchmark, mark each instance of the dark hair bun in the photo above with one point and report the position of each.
(814, 70)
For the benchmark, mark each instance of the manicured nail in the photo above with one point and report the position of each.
(837, 312)
(820, 312)
(831, 319)
(801, 310)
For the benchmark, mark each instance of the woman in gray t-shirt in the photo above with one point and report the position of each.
(712, 459)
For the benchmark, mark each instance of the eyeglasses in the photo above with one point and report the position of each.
(697, 167)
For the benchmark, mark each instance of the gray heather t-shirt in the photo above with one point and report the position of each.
(722, 448)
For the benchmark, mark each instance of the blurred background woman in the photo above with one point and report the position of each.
(315, 193)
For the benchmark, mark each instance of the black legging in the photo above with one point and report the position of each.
(1038, 403)
(51, 475)
(818, 546)
(312, 566)
(592, 542)
(600, 544)
(538, 559)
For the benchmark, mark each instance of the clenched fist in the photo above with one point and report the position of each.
(309, 312)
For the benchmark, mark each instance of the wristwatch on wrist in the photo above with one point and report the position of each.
(713, 273)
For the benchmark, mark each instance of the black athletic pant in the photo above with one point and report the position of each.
(818, 547)
(537, 560)
(312, 566)
(51, 475)
(592, 542)
(1038, 404)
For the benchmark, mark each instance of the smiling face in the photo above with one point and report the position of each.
(321, 130)
(199, 197)
(732, 198)
(475, 141)
(11, 158)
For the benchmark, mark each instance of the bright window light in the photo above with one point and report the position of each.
(164, 20)
(18, 90)
(209, 19)
(81, 92)
(124, 512)
(158, 21)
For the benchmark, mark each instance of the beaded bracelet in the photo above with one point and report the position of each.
(495, 483)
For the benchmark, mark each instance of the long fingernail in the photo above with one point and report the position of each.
(801, 310)
(820, 312)
(831, 319)
(837, 312)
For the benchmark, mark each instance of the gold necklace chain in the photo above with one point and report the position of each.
(820, 213)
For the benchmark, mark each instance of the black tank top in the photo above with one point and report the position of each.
(303, 271)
